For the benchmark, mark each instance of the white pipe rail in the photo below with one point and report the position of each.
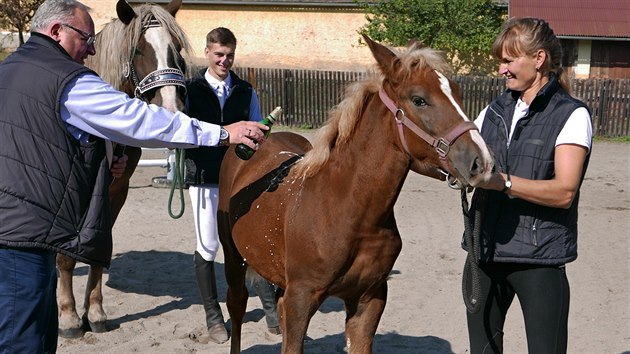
(168, 162)
(153, 163)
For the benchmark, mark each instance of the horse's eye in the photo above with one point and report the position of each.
(418, 101)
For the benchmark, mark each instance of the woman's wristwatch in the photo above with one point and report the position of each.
(508, 184)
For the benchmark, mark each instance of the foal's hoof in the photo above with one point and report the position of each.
(71, 333)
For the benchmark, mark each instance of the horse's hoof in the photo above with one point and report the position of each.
(97, 327)
(71, 333)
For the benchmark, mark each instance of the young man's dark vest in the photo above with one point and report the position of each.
(53, 189)
(514, 230)
(203, 163)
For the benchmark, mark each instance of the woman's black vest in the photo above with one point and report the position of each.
(53, 189)
(514, 230)
(203, 163)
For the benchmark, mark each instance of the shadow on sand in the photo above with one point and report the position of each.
(383, 343)
(166, 273)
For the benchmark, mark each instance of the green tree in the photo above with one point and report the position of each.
(463, 29)
(17, 15)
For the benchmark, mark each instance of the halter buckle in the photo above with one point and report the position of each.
(442, 147)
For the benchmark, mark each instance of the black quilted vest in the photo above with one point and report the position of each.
(203, 163)
(514, 230)
(53, 189)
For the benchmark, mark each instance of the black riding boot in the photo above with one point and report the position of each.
(267, 294)
(206, 281)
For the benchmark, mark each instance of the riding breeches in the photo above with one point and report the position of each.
(543, 292)
(205, 200)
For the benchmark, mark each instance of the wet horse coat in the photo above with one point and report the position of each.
(318, 220)
(140, 53)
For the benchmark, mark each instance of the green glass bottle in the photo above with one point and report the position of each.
(245, 152)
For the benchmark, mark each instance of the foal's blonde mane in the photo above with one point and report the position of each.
(343, 118)
(116, 42)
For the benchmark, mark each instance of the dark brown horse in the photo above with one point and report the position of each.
(319, 221)
(142, 53)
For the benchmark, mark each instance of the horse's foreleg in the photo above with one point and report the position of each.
(362, 318)
(94, 314)
(93, 302)
(297, 306)
(69, 321)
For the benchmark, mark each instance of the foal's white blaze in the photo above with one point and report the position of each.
(446, 89)
(476, 137)
(156, 37)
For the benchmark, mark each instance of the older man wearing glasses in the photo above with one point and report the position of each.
(54, 174)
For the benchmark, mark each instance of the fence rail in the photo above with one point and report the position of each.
(306, 96)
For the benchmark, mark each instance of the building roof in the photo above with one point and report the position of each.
(603, 19)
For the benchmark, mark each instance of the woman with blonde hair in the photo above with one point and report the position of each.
(541, 138)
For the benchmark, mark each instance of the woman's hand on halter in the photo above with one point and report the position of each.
(249, 133)
(496, 182)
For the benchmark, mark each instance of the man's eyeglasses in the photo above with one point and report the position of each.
(89, 39)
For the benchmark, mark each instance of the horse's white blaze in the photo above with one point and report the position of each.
(159, 39)
(476, 137)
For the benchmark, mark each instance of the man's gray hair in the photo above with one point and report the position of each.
(55, 10)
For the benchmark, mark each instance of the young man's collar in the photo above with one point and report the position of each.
(214, 82)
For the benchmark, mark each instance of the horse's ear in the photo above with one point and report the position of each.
(173, 7)
(383, 55)
(125, 12)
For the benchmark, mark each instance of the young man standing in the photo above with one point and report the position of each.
(217, 95)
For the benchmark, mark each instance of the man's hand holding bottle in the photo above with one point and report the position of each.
(246, 132)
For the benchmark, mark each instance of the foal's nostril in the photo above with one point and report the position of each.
(477, 167)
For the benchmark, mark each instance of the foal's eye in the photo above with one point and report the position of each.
(419, 101)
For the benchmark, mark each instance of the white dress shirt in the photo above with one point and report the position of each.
(223, 88)
(91, 106)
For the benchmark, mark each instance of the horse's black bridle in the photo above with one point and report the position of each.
(157, 78)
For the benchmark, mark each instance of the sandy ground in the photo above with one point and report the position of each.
(153, 305)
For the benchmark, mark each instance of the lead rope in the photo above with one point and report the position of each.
(178, 182)
(471, 283)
